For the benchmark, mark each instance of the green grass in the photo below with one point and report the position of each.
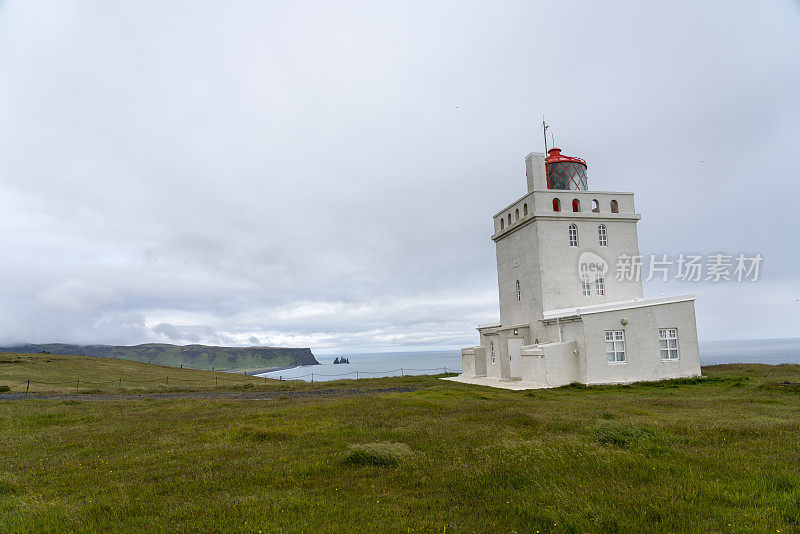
(87, 374)
(718, 454)
(384, 453)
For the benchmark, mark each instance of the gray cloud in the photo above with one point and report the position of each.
(324, 175)
(168, 330)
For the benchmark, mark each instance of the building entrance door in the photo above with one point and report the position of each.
(515, 357)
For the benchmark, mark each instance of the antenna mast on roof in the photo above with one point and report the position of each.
(544, 131)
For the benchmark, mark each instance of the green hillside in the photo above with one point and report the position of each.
(189, 356)
(56, 373)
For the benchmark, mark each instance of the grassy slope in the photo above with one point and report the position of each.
(713, 455)
(190, 356)
(59, 373)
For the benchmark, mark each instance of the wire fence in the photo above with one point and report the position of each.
(367, 374)
(239, 379)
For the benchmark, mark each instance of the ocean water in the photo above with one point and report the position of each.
(370, 365)
(771, 351)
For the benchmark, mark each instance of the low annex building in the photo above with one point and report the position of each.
(565, 315)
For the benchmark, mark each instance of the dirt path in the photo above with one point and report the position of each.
(204, 395)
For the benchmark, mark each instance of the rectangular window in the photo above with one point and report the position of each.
(586, 288)
(602, 236)
(615, 346)
(668, 342)
(573, 235)
(600, 285)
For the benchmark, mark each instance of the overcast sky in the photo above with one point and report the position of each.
(324, 174)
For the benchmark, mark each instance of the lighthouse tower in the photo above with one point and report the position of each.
(566, 314)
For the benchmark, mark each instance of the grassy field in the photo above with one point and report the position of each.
(718, 454)
(88, 374)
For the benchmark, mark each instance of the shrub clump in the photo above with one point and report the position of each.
(5, 389)
(384, 453)
(623, 435)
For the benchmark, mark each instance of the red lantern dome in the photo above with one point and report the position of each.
(565, 172)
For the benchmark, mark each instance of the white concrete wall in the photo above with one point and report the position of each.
(493, 370)
(550, 365)
(480, 361)
(540, 203)
(536, 251)
(560, 279)
(561, 363)
(518, 259)
(543, 201)
(570, 331)
(468, 362)
(536, 171)
(643, 356)
(533, 369)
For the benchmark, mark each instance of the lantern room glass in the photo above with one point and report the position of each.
(569, 175)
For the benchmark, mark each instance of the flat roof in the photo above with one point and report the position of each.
(552, 315)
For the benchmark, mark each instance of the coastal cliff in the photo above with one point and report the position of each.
(188, 356)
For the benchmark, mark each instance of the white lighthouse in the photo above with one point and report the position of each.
(566, 315)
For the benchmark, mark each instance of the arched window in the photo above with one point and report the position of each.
(576, 205)
(556, 205)
(586, 288)
(519, 292)
(502, 223)
(600, 285)
(573, 235)
(602, 237)
(614, 207)
(524, 210)
(491, 346)
(595, 206)
(516, 215)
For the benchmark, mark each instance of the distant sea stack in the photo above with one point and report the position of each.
(188, 356)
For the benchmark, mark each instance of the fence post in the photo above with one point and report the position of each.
(77, 385)
(120, 381)
(166, 380)
(27, 387)
(312, 377)
(216, 381)
(401, 372)
(356, 375)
